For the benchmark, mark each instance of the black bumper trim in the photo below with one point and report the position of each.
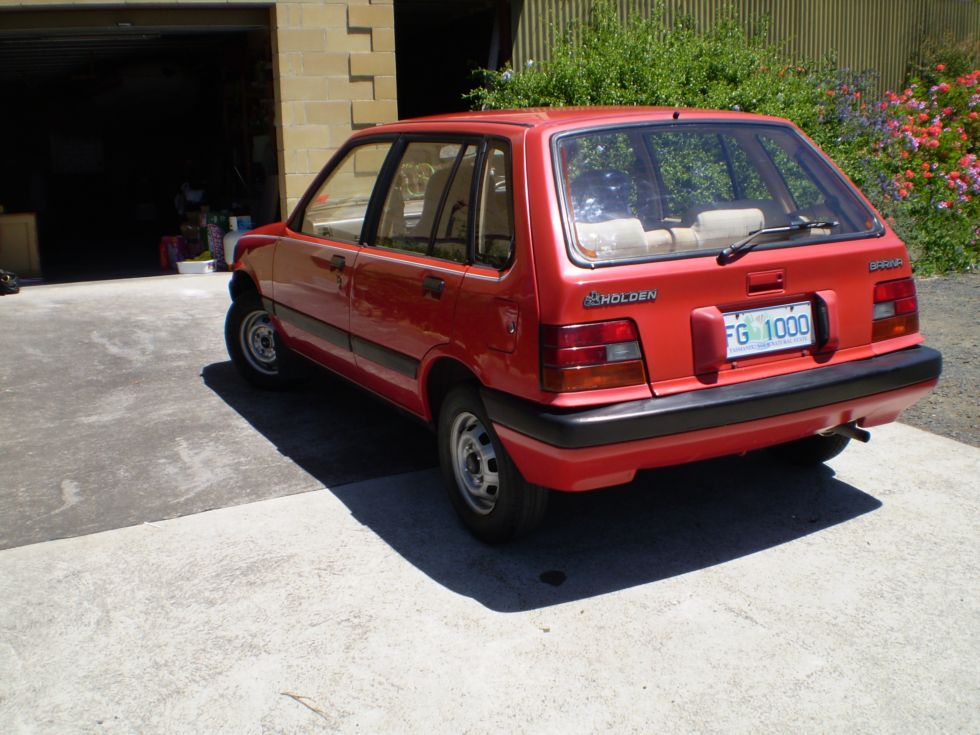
(711, 407)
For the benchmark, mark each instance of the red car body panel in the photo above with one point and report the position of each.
(387, 319)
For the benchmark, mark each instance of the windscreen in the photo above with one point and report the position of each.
(694, 188)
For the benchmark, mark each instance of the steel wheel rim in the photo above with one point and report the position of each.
(474, 463)
(258, 340)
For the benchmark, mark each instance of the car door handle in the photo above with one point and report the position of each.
(433, 285)
(338, 262)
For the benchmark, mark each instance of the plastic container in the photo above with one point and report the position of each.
(195, 266)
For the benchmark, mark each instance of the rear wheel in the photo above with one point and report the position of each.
(253, 345)
(811, 450)
(485, 487)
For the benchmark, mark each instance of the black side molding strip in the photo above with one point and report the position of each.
(384, 356)
(316, 327)
(711, 407)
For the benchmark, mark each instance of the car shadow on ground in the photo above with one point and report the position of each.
(665, 523)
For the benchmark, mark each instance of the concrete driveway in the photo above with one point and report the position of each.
(729, 596)
(120, 406)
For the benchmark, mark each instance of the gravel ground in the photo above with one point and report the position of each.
(949, 310)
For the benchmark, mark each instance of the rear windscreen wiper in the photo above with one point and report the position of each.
(747, 243)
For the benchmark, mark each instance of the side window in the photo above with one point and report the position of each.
(495, 219)
(426, 209)
(338, 208)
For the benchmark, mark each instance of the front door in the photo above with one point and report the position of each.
(314, 263)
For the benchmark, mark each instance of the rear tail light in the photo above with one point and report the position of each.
(896, 310)
(589, 356)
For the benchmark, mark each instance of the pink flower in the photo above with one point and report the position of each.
(943, 87)
(940, 67)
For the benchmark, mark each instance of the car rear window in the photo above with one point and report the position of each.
(686, 189)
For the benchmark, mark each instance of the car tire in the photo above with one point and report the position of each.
(253, 345)
(485, 487)
(811, 450)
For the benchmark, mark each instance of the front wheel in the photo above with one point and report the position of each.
(811, 450)
(252, 343)
(485, 487)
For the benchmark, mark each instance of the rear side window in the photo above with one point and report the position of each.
(338, 207)
(426, 210)
(687, 189)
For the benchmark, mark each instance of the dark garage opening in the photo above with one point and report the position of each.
(441, 44)
(108, 113)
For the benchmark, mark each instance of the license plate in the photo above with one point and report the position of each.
(774, 328)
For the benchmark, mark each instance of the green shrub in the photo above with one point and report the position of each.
(646, 62)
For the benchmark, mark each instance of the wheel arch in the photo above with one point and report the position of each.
(241, 282)
(441, 375)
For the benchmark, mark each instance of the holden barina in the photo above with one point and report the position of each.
(569, 296)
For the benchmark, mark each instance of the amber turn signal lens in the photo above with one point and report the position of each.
(895, 327)
(613, 375)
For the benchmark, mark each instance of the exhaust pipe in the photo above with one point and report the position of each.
(851, 431)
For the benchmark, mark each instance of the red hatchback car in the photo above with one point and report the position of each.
(569, 296)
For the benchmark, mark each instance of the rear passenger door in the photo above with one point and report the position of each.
(406, 282)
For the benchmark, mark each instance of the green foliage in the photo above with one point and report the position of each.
(732, 65)
(644, 61)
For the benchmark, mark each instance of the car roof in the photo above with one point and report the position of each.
(584, 116)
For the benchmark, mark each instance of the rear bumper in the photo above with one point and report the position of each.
(582, 449)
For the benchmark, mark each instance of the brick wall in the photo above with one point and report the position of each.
(334, 64)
